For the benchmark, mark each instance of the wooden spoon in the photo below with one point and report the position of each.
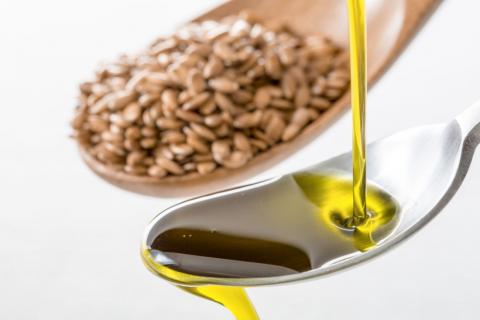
(391, 24)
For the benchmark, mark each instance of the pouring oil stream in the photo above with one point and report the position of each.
(358, 70)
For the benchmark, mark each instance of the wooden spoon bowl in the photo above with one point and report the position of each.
(391, 24)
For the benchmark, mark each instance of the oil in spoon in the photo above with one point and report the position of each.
(296, 233)
(289, 226)
(193, 255)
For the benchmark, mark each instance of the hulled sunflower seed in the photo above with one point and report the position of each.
(223, 84)
(220, 150)
(188, 116)
(206, 167)
(182, 149)
(172, 136)
(198, 144)
(157, 171)
(196, 101)
(248, 120)
(195, 81)
(236, 160)
(135, 170)
(262, 97)
(320, 103)
(275, 128)
(136, 157)
(169, 165)
(224, 102)
(203, 131)
(168, 123)
(241, 142)
(213, 120)
(213, 68)
(132, 112)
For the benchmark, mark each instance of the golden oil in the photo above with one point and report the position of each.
(234, 299)
(333, 198)
(358, 66)
(357, 215)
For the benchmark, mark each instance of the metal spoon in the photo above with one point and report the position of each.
(422, 168)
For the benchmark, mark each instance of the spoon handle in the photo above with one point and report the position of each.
(469, 121)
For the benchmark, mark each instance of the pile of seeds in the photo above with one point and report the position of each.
(215, 94)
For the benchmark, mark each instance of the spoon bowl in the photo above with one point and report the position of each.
(391, 24)
(421, 168)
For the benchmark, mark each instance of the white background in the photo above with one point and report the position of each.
(69, 242)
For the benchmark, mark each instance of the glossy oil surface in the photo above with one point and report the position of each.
(292, 225)
(304, 230)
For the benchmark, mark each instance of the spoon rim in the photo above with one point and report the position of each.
(463, 158)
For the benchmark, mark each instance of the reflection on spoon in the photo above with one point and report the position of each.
(420, 168)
